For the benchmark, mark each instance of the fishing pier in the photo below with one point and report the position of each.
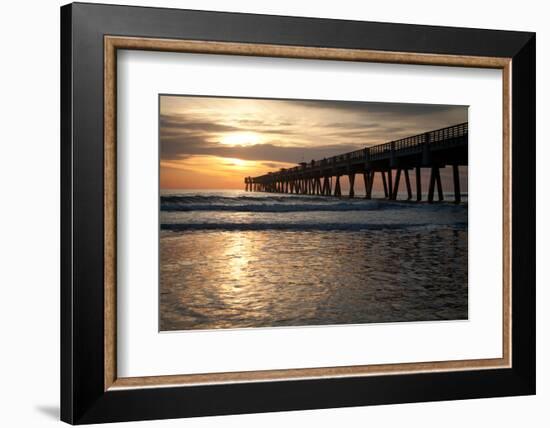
(392, 161)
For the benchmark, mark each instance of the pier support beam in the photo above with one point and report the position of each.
(337, 189)
(396, 187)
(439, 187)
(366, 179)
(369, 181)
(390, 186)
(384, 184)
(418, 185)
(456, 181)
(435, 178)
(408, 183)
(432, 185)
(351, 185)
(326, 190)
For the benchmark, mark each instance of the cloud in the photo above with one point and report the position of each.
(386, 109)
(183, 122)
(291, 131)
(179, 149)
(270, 164)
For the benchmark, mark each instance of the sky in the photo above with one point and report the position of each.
(213, 143)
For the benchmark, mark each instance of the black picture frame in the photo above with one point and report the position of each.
(83, 398)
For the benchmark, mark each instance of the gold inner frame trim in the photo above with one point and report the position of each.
(113, 43)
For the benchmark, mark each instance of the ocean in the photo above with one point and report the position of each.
(235, 259)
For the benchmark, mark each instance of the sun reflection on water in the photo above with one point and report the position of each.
(237, 279)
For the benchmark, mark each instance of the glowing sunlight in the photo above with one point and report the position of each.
(240, 139)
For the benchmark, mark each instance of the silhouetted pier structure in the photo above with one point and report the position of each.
(434, 149)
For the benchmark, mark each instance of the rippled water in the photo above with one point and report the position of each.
(233, 260)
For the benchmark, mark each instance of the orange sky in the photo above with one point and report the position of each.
(211, 172)
(213, 143)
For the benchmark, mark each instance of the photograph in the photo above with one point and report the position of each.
(292, 213)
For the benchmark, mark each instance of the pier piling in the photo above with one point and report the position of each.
(456, 182)
(432, 186)
(390, 185)
(439, 187)
(337, 189)
(418, 185)
(351, 185)
(408, 184)
(396, 188)
(384, 184)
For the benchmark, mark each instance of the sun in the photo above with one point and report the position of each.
(240, 139)
(237, 162)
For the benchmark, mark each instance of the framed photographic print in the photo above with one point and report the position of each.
(265, 213)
